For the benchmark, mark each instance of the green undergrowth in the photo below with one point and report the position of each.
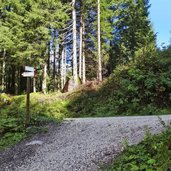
(142, 87)
(43, 109)
(139, 88)
(153, 153)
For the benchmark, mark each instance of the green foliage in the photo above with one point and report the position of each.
(142, 87)
(26, 28)
(25, 36)
(10, 139)
(5, 99)
(154, 153)
(12, 117)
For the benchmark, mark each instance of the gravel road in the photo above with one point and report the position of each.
(82, 144)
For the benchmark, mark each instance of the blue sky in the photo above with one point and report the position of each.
(160, 16)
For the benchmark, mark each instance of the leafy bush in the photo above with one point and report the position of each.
(141, 88)
(10, 139)
(154, 153)
(5, 99)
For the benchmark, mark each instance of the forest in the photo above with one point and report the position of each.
(64, 39)
(91, 59)
(70, 43)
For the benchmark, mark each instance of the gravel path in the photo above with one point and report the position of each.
(79, 144)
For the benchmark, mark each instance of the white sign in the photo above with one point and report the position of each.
(28, 74)
(29, 69)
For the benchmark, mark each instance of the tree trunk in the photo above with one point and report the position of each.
(16, 79)
(19, 81)
(34, 84)
(48, 61)
(44, 82)
(13, 80)
(62, 69)
(99, 43)
(84, 70)
(65, 66)
(81, 47)
(54, 59)
(75, 75)
(111, 59)
(3, 71)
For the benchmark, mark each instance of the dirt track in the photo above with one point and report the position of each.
(79, 144)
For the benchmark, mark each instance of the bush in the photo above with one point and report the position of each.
(154, 153)
(5, 99)
(12, 117)
(141, 88)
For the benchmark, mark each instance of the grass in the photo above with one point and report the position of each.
(43, 109)
(104, 101)
(89, 101)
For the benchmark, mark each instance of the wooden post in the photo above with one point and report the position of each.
(28, 103)
(30, 72)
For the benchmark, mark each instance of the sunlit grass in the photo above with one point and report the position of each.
(43, 109)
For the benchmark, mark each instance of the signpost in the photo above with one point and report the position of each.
(29, 73)
(29, 69)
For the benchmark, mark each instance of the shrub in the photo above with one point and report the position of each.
(141, 88)
(5, 99)
(154, 153)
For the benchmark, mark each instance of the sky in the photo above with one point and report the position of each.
(160, 16)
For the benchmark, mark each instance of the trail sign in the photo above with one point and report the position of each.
(29, 69)
(28, 74)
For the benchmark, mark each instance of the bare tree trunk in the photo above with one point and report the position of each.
(3, 71)
(99, 43)
(54, 59)
(58, 64)
(19, 80)
(65, 66)
(84, 70)
(13, 79)
(81, 47)
(16, 80)
(75, 74)
(54, 71)
(62, 69)
(44, 82)
(34, 84)
(48, 61)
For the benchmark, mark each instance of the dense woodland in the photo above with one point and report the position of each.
(78, 40)
(108, 46)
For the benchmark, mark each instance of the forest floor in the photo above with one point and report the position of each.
(79, 144)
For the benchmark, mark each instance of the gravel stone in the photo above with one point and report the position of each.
(83, 144)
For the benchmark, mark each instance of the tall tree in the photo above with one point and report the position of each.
(29, 23)
(99, 42)
(74, 34)
(83, 55)
(81, 46)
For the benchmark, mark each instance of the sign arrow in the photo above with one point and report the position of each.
(28, 74)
